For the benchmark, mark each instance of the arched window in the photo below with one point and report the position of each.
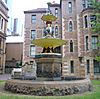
(70, 27)
(71, 46)
(86, 21)
(87, 43)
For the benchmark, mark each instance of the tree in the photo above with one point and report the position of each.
(96, 23)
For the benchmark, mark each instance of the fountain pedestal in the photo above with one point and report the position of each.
(48, 66)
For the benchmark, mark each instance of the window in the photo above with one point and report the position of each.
(70, 26)
(94, 42)
(96, 66)
(52, 31)
(86, 4)
(70, 7)
(71, 46)
(33, 18)
(86, 21)
(88, 66)
(72, 66)
(56, 30)
(1, 23)
(56, 12)
(87, 48)
(33, 34)
(92, 19)
(32, 51)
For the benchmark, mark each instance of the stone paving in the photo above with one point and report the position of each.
(5, 76)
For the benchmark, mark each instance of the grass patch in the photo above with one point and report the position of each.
(88, 95)
(95, 82)
(2, 82)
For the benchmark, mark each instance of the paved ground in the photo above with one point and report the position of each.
(5, 76)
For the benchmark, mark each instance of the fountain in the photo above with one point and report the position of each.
(48, 62)
(49, 76)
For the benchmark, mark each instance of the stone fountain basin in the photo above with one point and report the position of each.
(48, 87)
(48, 55)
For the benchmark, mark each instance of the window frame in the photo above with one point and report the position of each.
(88, 66)
(70, 7)
(72, 66)
(96, 65)
(33, 19)
(86, 4)
(56, 30)
(71, 46)
(56, 12)
(32, 54)
(87, 43)
(94, 42)
(86, 21)
(92, 19)
(32, 34)
(1, 23)
(70, 26)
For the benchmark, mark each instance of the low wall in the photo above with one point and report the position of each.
(48, 87)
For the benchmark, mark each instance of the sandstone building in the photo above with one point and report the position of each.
(73, 24)
(3, 28)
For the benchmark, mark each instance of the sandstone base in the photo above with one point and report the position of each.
(48, 88)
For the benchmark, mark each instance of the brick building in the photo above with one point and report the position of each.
(3, 28)
(73, 24)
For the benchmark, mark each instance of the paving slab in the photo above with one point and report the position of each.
(5, 76)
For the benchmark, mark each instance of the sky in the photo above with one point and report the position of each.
(22, 5)
(19, 6)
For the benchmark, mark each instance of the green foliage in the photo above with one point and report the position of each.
(95, 5)
(96, 23)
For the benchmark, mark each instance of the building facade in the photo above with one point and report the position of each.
(3, 29)
(73, 24)
(14, 53)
